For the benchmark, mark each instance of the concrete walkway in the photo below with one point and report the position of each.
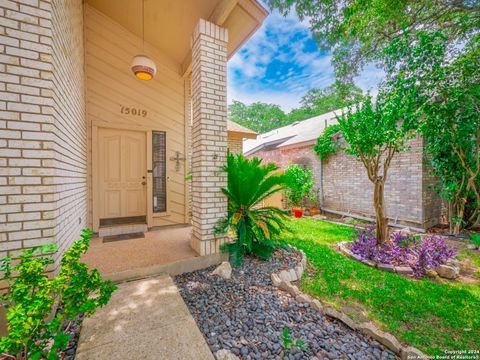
(145, 319)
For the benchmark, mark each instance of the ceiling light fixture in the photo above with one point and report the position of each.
(142, 66)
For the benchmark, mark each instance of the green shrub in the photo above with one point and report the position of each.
(40, 309)
(249, 183)
(300, 185)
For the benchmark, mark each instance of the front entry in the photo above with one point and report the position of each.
(122, 174)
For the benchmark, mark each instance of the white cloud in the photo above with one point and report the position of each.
(279, 65)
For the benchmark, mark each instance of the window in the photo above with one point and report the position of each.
(159, 172)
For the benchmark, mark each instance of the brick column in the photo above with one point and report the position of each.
(209, 133)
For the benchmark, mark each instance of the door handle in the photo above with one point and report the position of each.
(144, 183)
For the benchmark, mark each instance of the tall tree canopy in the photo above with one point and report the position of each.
(259, 117)
(331, 98)
(448, 90)
(262, 117)
(358, 31)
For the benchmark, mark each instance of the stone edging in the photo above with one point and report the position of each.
(449, 271)
(403, 270)
(283, 279)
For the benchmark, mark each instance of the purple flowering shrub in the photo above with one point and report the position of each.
(432, 252)
(402, 249)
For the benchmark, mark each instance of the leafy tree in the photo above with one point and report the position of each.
(301, 113)
(450, 103)
(375, 133)
(447, 87)
(249, 183)
(359, 31)
(331, 98)
(32, 297)
(258, 116)
(263, 117)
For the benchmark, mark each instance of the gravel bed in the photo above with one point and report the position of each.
(247, 315)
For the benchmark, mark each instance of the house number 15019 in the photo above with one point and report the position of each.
(133, 111)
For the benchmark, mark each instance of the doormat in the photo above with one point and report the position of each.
(137, 235)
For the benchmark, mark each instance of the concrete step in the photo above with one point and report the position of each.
(174, 268)
(121, 229)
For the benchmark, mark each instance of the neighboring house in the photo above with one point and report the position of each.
(341, 181)
(236, 134)
(84, 143)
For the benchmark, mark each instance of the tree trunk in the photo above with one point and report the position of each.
(450, 215)
(459, 216)
(381, 224)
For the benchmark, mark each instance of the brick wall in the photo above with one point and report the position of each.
(409, 192)
(302, 155)
(70, 131)
(42, 123)
(347, 187)
(235, 144)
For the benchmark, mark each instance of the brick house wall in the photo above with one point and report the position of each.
(301, 155)
(409, 192)
(70, 131)
(235, 144)
(348, 189)
(42, 124)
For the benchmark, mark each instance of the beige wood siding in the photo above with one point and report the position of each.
(111, 85)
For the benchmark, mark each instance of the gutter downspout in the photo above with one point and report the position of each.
(321, 183)
(321, 175)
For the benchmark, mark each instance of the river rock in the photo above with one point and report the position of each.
(225, 354)
(448, 271)
(224, 270)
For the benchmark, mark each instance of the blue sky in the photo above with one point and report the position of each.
(281, 62)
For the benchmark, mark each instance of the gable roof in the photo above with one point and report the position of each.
(244, 132)
(300, 133)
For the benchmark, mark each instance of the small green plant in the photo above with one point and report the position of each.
(475, 239)
(300, 185)
(41, 309)
(249, 183)
(289, 343)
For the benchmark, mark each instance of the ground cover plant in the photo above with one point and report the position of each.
(289, 343)
(402, 249)
(40, 310)
(253, 225)
(432, 316)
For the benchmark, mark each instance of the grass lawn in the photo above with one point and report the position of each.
(423, 313)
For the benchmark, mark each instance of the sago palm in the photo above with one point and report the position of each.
(249, 183)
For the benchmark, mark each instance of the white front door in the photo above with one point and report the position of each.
(122, 173)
